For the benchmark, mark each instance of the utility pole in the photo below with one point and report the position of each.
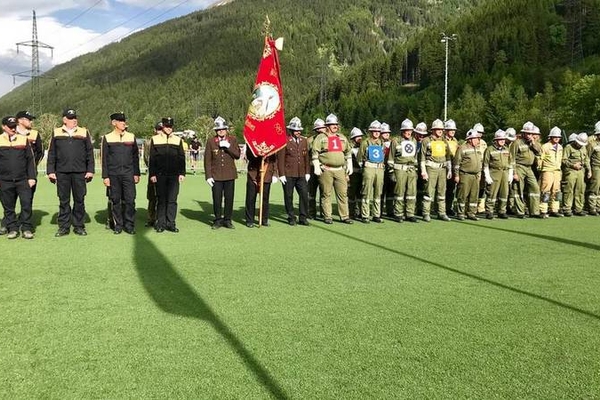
(34, 73)
(446, 39)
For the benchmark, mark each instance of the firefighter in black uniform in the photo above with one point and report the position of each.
(121, 172)
(167, 170)
(17, 176)
(151, 186)
(24, 127)
(71, 166)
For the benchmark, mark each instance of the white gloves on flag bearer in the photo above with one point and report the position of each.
(210, 182)
(349, 166)
(283, 180)
(488, 177)
(317, 165)
(224, 143)
(307, 177)
(275, 179)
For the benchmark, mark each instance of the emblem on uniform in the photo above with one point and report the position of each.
(265, 102)
(375, 153)
(408, 149)
(334, 144)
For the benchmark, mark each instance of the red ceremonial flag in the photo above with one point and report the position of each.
(264, 130)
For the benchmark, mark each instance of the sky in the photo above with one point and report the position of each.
(73, 28)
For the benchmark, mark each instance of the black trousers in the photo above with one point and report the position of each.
(9, 192)
(301, 186)
(252, 190)
(151, 196)
(167, 190)
(220, 190)
(67, 183)
(122, 199)
(313, 187)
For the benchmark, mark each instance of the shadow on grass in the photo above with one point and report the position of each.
(38, 215)
(538, 236)
(174, 295)
(466, 274)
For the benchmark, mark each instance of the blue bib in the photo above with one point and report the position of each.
(375, 153)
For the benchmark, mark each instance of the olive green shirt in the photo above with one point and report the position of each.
(496, 158)
(335, 158)
(468, 159)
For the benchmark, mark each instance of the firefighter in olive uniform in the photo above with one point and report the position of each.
(524, 152)
(293, 166)
(576, 168)
(420, 133)
(167, 171)
(478, 127)
(372, 157)
(593, 187)
(17, 177)
(450, 138)
(332, 161)
(71, 165)
(403, 160)
(355, 183)
(435, 159)
(220, 171)
(467, 164)
(313, 182)
(120, 173)
(551, 175)
(389, 184)
(498, 174)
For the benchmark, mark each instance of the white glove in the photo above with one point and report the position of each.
(510, 176)
(275, 179)
(283, 180)
(224, 143)
(449, 169)
(307, 177)
(349, 166)
(317, 165)
(424, 175)
(488, 177)
(210, 182)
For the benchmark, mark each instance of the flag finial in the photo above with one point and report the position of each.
(267, 27)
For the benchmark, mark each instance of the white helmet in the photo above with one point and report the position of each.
(536, 130)
(355, 132)
(331, 119)
(572, 137)
(528, 127)
(407, 125)
(472, 134)
(555, 132)
(597, 128)
(437, 124)
(500, 135)
(450, 125)
(295, 124)
(511, 134)
(581, 139)
(479, 128)
(319, 123)
(421, 129)
(375, 126)
(385, 128)
(220, 124)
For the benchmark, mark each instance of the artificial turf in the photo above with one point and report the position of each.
(487, 309)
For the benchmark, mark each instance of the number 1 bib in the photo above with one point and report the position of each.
(334, 144)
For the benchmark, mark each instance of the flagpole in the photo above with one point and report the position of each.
(263, 172)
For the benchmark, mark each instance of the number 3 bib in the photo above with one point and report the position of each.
(375, 153)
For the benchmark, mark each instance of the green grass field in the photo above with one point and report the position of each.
(488, 309)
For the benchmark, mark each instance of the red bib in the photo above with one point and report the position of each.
(334, 144)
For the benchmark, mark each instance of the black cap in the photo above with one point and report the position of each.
(25, 114)
(70, 113)
(168, 122)
(10, 121)
(158, 126)
(119, 116)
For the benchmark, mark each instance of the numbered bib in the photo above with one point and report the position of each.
(375, 153)
(438, 148)
(334, 144)
(408, 149)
